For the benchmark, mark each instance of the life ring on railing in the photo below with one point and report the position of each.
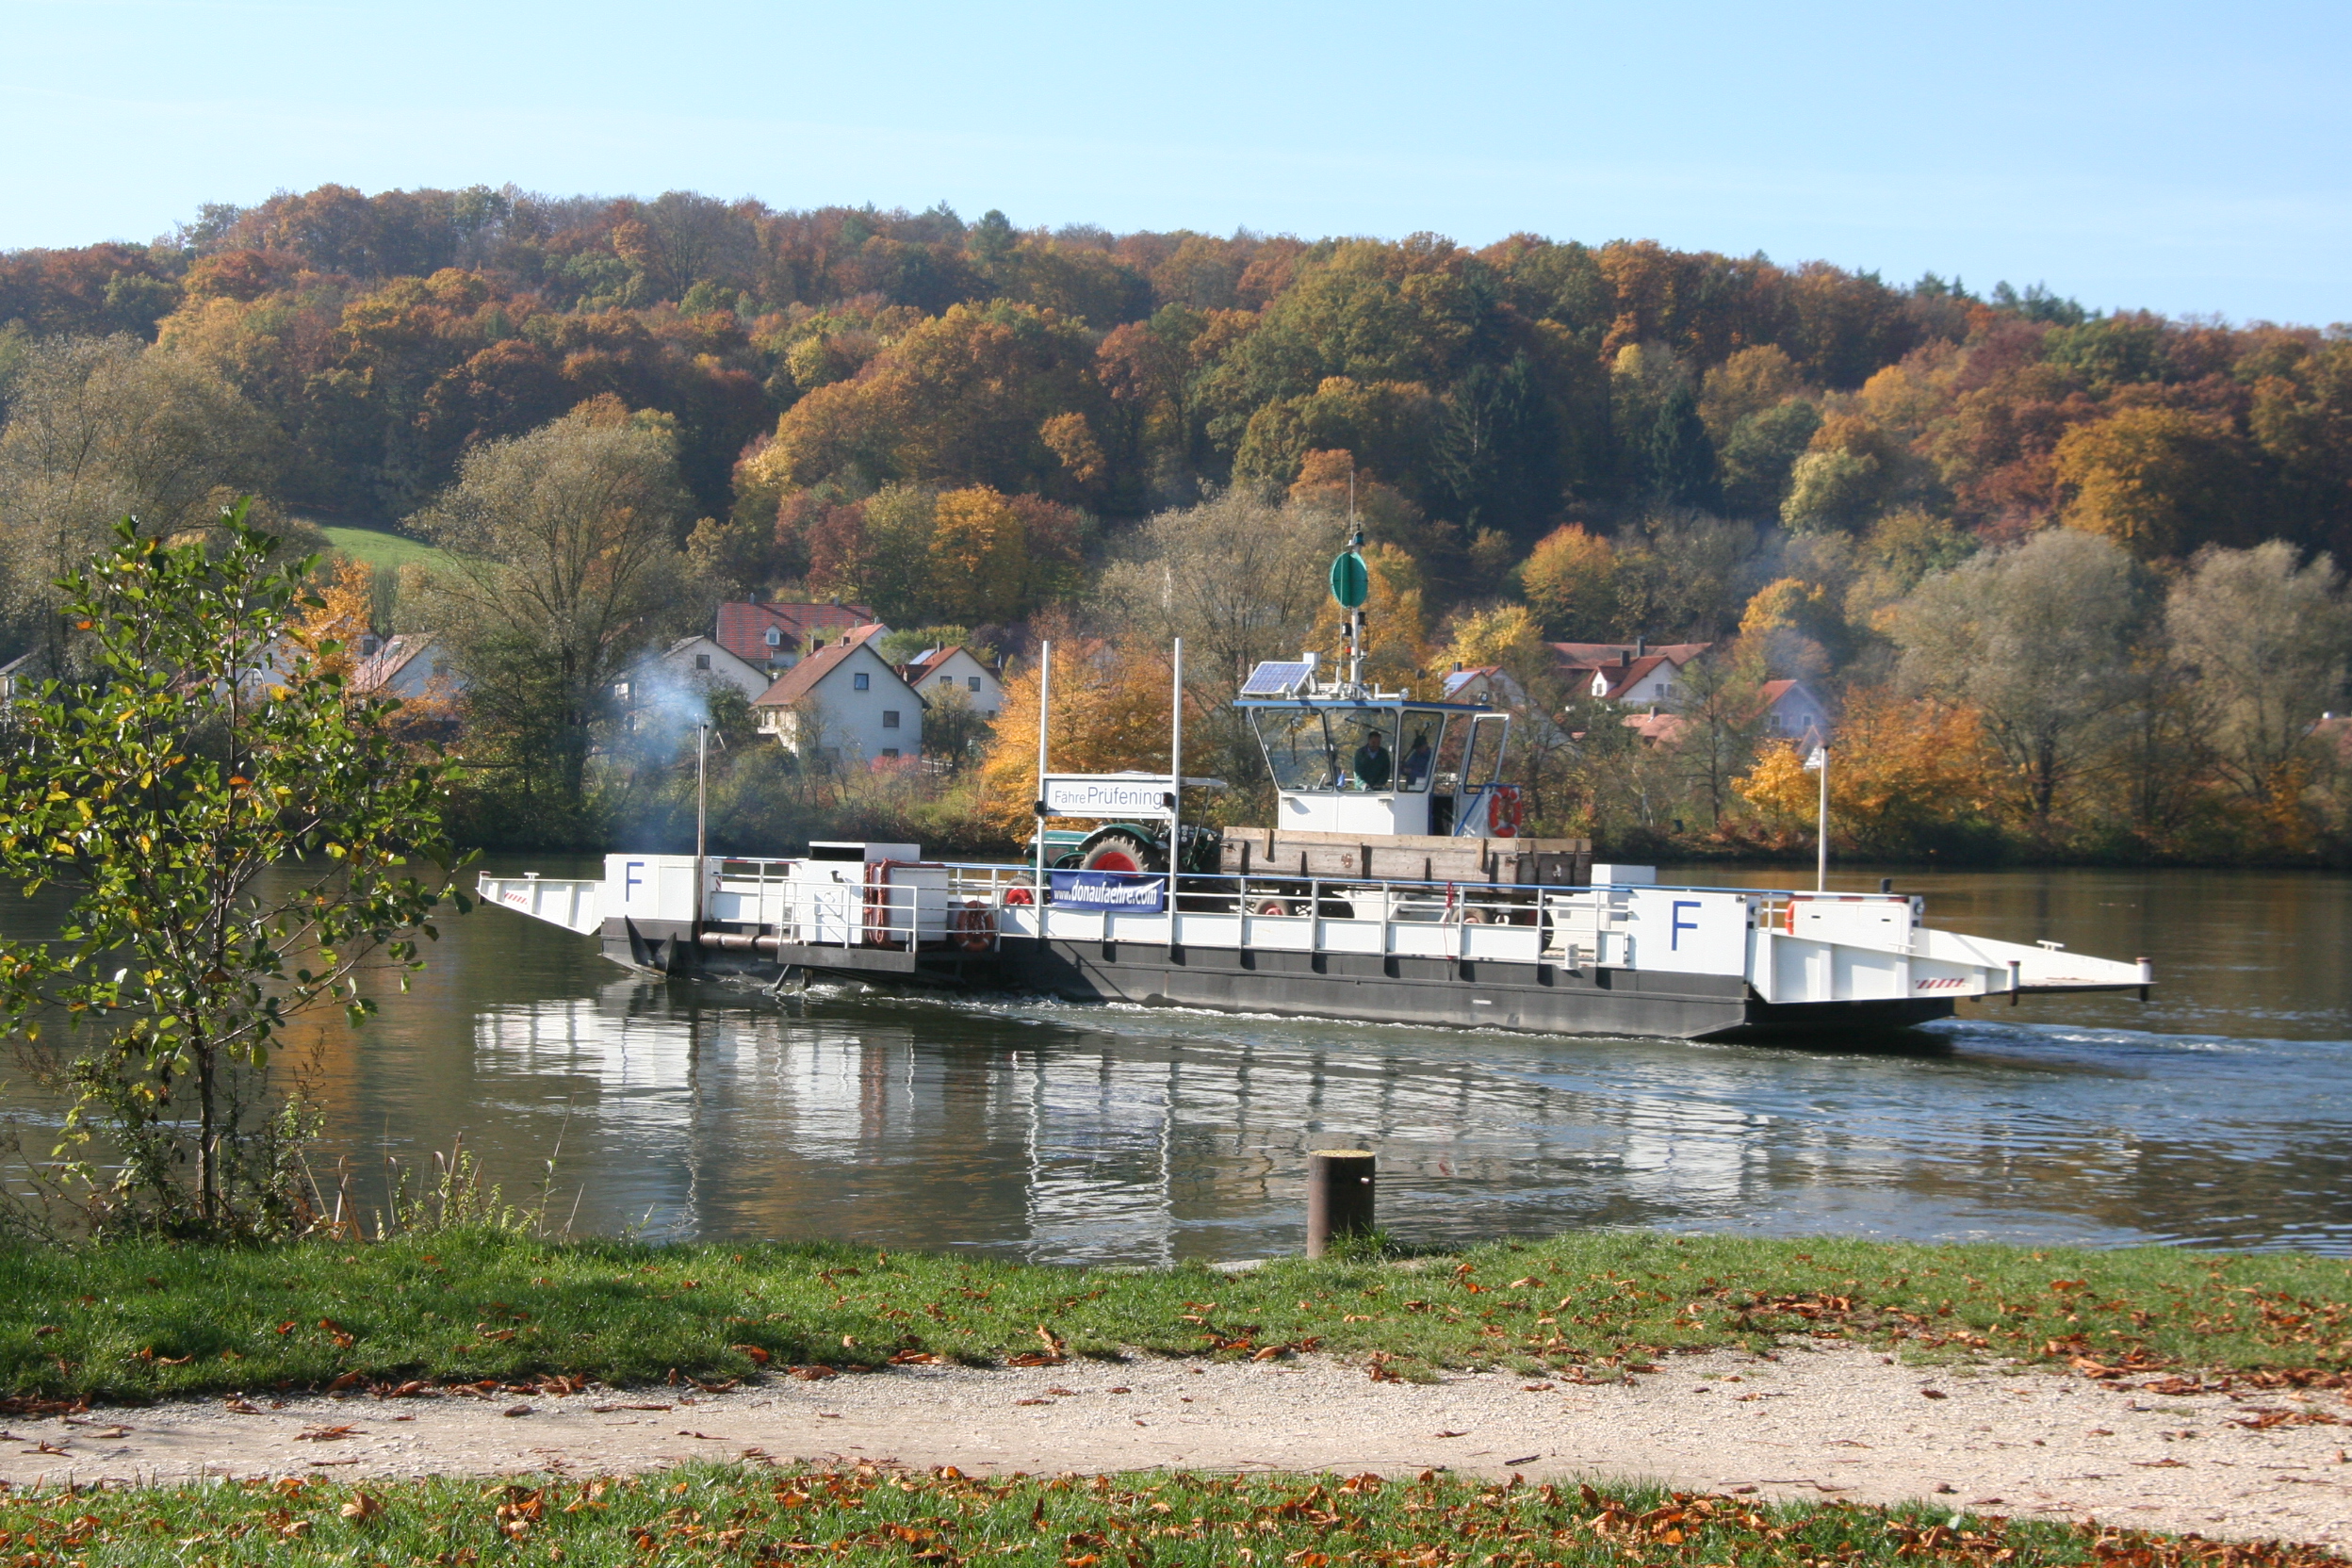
(1022, 896)
(975, 927)
(1274, 908)
(1505, 811)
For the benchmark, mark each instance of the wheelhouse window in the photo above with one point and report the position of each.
(1367, 738)
(1416, 763)
(1329, 748)
(1298, 750)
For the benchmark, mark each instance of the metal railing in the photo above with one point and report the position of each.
(762, 904)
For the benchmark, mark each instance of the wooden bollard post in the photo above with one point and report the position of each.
(1339, 1195)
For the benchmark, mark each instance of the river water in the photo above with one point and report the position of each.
(2216, 1115)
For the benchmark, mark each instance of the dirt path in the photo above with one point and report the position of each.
(1838, 1422)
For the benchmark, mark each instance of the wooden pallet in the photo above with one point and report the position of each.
(1407, 858)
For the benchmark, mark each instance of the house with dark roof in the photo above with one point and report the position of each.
(1488, 683)
(408, 666)
(1588, 654)
(774, 635)
(843, 704)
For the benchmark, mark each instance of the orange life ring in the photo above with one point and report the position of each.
(1272, 907)
(1505, 811)
(975, 927)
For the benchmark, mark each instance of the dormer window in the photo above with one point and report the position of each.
(774, 638)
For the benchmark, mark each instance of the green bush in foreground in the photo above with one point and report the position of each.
(136, 1320)
(707, 1514)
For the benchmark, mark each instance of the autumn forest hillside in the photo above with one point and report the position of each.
(971, 425)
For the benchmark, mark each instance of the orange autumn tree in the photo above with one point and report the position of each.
(1905, 776)
(345, 611)
(1110, 713)
(1396, 634)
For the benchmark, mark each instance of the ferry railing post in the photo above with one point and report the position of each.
(1339, 1195)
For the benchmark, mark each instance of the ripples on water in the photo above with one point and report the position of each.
(1056, 1131)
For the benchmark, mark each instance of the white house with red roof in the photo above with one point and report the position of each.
(1629, 674)
(775, 635)
(1789, 709)
(937, 672)
(843, 704)
(1793, 713)
(1649, 681)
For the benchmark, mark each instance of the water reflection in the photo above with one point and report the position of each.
(2215, 1117)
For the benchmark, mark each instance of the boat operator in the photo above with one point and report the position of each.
(1373, 762)
(1417, 766)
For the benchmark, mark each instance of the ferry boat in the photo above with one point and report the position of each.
(1394, 887)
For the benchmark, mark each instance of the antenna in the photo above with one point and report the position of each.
(1351, 584)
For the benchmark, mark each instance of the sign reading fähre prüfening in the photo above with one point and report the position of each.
(1105, 795)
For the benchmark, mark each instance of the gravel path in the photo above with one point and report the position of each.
(1836, 1421)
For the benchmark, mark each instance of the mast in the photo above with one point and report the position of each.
(1045, 710)
(1175, 769)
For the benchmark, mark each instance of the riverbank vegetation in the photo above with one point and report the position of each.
(879, 1513)
(136, 1320)
(235, 840)
(2064, 579)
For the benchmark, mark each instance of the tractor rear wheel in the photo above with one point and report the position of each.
(1117, 849)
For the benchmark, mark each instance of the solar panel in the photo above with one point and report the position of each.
(1275, 677)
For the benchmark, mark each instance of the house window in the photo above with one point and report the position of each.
(890, 718)
(860, 681)
(702, 660)
(889, 753)
(947, 680)
(976, 681)
(774, 638)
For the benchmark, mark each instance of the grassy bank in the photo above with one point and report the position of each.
(722, 1515)
(134, 1321)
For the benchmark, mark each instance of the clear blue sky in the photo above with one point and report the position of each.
(2193, 159)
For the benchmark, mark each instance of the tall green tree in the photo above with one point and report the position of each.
(242, 841)
(2036, 638)
(1682, 458)
(568, 564)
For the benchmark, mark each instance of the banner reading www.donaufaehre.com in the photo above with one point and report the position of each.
(1109, 892)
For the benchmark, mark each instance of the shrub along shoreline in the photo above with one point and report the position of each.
(135, 1321)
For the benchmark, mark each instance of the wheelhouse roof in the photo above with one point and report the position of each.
(1366, 702)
